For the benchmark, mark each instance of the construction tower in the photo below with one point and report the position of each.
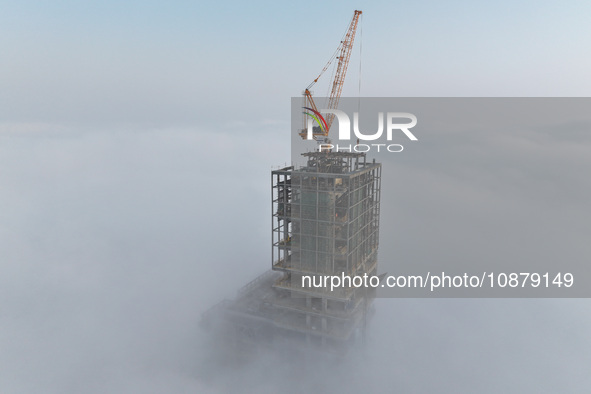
(325, 221)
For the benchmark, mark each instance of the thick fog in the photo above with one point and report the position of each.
(136, 144)
(114, 243)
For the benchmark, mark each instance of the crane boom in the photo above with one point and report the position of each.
(343, 53)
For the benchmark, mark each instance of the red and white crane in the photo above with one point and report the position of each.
(343, 53)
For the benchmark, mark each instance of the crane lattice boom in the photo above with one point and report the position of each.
(343, 53)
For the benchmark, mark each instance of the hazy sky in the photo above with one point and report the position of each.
(188, 62)
(135, 188)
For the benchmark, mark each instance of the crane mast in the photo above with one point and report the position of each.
(343, 54)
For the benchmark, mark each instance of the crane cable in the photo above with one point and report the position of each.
(334, 55)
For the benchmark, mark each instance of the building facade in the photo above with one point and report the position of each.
(325, 221)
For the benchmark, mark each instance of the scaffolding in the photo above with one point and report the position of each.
(325, 221)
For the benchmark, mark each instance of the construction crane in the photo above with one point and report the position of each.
(343, 53)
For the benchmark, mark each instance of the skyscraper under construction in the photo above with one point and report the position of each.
(325, 221)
